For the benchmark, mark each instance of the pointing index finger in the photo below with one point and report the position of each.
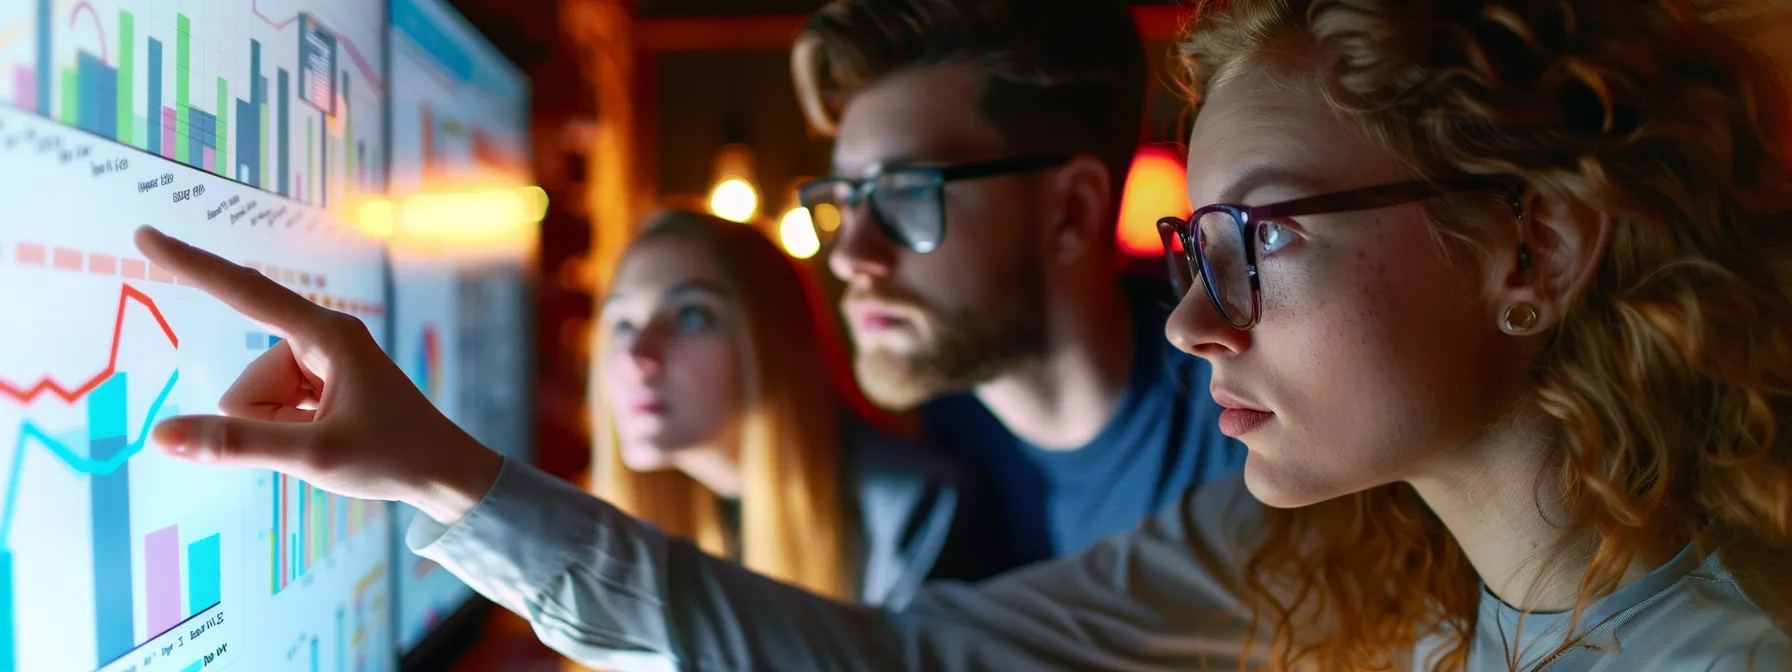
(244, 290)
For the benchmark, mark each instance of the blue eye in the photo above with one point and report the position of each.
(694, 319)
(1271, 237)
(622, 330)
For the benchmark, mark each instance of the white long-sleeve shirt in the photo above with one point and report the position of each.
(614, 594)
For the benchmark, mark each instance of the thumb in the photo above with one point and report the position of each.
(237, 442)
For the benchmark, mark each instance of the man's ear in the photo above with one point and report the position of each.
(1560, 245)
(1087, 193)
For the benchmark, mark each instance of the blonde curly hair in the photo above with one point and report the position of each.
(1668, 378)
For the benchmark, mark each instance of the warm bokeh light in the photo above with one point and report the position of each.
(797, 232)
(1156, 187)
(827, 217)
(488, 218)
(378, 218)
(735, 200)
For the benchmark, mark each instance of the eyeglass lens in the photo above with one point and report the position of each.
(906, 206)
(1220, 261)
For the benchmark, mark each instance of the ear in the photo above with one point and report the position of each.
(1565, 241)
(1086, 193)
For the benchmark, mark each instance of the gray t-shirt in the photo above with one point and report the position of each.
(614, 594)
(1686, 615)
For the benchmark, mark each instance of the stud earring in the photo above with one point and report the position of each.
(1519, 319)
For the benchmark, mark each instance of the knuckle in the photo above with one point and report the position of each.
(343, 330)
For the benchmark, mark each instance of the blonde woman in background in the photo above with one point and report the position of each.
(726, 414)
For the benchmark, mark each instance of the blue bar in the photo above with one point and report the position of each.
(202, 131)
(154, 112)
(197, 664)
(204, 574)
(314, 654)
(282, 134)
(341, 645)
(257, 83)
(8, 660)
(293, 566)
(99, 95)
(248, 143)
(111, 497)
(44, 64)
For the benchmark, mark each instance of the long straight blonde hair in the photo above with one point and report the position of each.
(794, 523)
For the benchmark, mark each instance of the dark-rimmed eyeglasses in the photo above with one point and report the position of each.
(1212, 243)
(906, 203)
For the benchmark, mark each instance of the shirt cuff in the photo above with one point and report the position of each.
(507, 547)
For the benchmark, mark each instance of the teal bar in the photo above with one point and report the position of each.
(8, 660)
(204, 574)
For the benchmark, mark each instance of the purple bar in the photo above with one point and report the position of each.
(168, 132)
(211, 158)
(161, 579)
(24, 88)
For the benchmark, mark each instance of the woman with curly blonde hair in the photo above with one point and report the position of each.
(1498, 294)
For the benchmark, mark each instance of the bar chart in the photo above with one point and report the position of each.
(308, 525)
(279, 98)
(114, 556)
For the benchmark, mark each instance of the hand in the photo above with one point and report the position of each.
(325, 404)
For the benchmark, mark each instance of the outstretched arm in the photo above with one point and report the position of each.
(614, 593)
(328, 406)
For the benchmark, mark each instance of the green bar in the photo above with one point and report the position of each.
(127, 68)
(183, 66)
(274, 561)
(222, 167)
(71, 97)
(267, 179)
(310, 177)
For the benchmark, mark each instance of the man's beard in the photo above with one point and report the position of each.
(960, 349)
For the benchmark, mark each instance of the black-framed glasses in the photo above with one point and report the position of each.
(1212, 242)
(906, 203)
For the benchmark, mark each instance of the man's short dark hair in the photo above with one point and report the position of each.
(1059, 76)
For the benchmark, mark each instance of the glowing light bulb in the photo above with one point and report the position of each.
(734, 199)
(797, 232)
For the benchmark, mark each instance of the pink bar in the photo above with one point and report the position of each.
(210, 158)
(24, 88)
(158, 274)
(161, 579)
(298, 186)
(132, 268)
(168, 132)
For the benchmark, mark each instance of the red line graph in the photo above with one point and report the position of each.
(354, 53)
(25, 395)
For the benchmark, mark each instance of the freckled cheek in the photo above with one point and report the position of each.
(1327, 335)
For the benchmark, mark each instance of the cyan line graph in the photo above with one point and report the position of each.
(31, 432)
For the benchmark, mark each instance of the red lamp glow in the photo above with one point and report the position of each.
(1156, 187)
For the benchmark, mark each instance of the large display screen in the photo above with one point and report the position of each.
(460, 255)
(249, 127)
